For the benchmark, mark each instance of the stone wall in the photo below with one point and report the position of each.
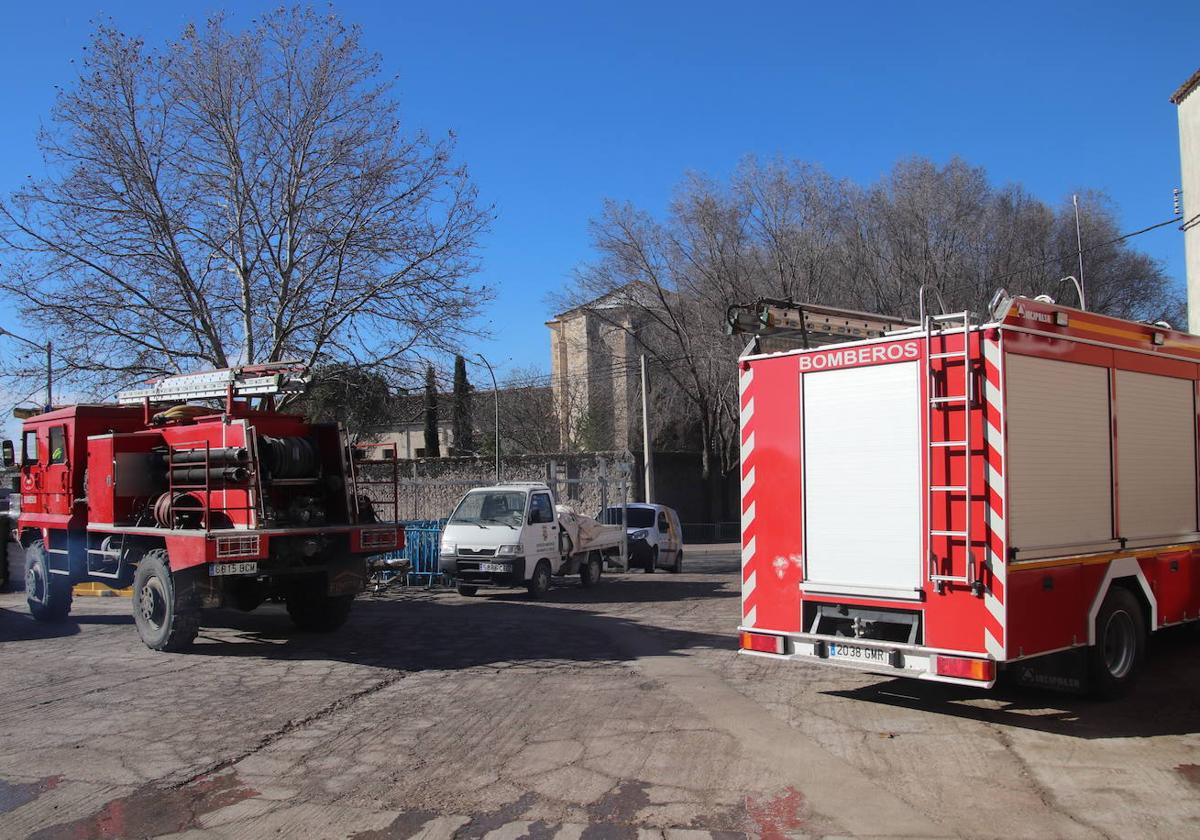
(429, 488)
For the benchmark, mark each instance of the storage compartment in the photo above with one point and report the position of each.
(1059, 454)
(862, 478)
(1156, 456)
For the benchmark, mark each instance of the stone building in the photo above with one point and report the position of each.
(1187, 98)
(595, 375)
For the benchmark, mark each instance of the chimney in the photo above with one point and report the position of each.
(1187, 99)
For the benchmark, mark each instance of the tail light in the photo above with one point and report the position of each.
(963, 668)
(762, 643)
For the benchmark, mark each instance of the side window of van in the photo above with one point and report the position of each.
(662, 522)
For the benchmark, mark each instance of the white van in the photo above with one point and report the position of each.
(512, 535)
(655, 535)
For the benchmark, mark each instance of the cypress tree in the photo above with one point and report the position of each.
(432, 449)
(464, 431)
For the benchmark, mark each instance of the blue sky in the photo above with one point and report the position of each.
(560, 105)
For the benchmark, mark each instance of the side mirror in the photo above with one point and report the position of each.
(8, 455)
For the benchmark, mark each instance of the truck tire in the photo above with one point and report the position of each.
(5, 536)
(1116, 659)
(467, 591)
(678, 567)
(314, 611)
(165, 607)
(589, 573)
(48, 596)
(539, 584)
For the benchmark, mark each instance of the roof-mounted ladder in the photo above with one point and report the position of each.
(230, 383)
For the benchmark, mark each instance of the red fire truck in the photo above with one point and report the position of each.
(946, 499)
(195, 506)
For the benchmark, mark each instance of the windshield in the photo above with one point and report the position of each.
(490, 507)
(638, 517)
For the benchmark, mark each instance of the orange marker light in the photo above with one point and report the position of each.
(983, 670)
(762, 643)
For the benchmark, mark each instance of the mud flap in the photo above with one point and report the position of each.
(1066, 671)
(348, 577)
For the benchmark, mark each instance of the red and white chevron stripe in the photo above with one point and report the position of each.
(749, 577)
(995, 555)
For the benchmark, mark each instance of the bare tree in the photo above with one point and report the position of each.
(237, 197)
(789, 230)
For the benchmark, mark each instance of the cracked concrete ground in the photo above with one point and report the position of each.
(622, 711)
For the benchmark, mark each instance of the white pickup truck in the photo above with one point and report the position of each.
(513, 535)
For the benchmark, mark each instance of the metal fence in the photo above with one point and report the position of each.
(422, 540)
(711, 532)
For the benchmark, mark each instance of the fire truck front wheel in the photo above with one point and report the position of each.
(166, 609)
(314, 611)
(1120, 647)
(48, 596)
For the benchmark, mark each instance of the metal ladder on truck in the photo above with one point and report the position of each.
(936, 408)
(265, 380)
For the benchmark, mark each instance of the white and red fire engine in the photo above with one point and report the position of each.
(946, 499)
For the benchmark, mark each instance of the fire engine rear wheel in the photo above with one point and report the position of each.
(1120, 647)
(589, 575)
(314, 611)
(539, 584)
(48, 596)
(166, 609)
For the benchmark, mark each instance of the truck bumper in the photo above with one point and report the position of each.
(888, 659)
(469, 571)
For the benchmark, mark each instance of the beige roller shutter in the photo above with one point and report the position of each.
(1156, 455)
(862, 477)
(1059, 456)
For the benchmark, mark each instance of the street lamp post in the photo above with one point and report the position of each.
(496, 393)
(49, 366)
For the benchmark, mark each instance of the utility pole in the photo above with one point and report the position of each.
(496, 393)
(648, 456)
(1079, 243)
(49, 363)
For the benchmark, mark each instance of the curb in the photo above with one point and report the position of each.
(99, 590)
(711, 548)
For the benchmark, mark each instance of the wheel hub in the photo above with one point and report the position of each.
(151, 604)
(33, 583)
(1119, 644)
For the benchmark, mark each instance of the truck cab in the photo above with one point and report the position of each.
(514, 535)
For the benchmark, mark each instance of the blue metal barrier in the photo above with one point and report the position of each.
(422, 542)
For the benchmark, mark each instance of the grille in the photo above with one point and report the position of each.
(477, 552)
(244, 546)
